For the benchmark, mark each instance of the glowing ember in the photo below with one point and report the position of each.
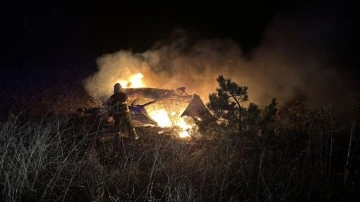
(161, 117)
(135, 81)
(184, 134)
(184, 127)
(163, 120)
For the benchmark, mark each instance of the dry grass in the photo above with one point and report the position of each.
(46, 159)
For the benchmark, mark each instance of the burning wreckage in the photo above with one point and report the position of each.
(163, 108)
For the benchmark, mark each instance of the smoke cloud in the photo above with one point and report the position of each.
(293, 60)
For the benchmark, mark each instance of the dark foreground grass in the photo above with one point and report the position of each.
(47, 159)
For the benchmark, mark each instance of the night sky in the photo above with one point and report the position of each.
(74, 34)
(37, 33)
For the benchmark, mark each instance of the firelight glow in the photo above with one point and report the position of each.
(163, 120)
(161, 117)
(134, 81)
(184, 127)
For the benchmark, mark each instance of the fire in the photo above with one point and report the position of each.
(163, 120)
(184, 127)
(184, 134)
(161, 117)
(134, 81)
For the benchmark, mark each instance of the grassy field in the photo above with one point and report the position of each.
(48, 159)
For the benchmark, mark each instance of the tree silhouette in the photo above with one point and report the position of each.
(227, 104)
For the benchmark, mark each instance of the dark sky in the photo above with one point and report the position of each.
(75, 33)
(287, 46)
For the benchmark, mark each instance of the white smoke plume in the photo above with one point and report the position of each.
(291, 61)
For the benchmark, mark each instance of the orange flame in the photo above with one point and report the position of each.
(184, 128)
(135, 81)
(163, 120)
(161, 116)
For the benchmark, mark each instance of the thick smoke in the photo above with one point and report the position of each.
(291, 61)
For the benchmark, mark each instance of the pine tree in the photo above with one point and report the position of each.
(227, 104)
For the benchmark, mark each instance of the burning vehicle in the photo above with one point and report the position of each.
(157, 108)
(167, 108)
